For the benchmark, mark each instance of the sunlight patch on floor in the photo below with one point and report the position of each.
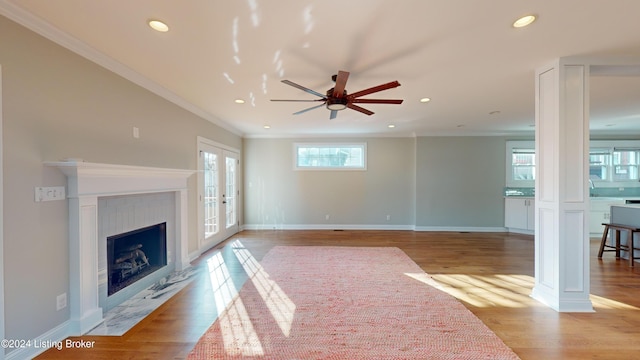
(279, 304)
(604, 303)
(500, 290)
(488, 290)
(238, 334)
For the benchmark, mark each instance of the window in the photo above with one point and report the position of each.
(599, 164)
(614, 162)
(330, 156)
(625, 164)
(520, 164)
(523, 162)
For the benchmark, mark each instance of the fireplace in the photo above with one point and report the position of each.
(133, 255)
(90, 189)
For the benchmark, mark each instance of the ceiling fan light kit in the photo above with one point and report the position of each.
(336, 104)
(337, 98)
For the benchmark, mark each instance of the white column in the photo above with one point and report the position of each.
(83, 265)
(562, 196)
(182, 233)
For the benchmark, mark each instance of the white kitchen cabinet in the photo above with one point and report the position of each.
(519, 214)
(600, 212)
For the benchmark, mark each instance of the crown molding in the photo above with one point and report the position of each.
(47, 30)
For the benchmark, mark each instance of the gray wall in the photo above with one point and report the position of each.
(460, 181)
(58, 105)
(425, 182)
(278, 196)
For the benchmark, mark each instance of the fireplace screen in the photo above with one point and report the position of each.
(135, 254)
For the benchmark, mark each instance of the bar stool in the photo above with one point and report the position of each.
(629, 247)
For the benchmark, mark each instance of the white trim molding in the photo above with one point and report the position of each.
(371, 227)
(2, 332)
(86, 182)
(45, 29)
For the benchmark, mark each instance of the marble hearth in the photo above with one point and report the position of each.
(88, 185)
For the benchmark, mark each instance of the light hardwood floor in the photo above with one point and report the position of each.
(491, 273)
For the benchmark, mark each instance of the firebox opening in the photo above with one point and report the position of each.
(135, 254)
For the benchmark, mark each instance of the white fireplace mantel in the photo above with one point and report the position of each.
(86, 182)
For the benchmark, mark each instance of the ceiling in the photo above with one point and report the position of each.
(463, 54)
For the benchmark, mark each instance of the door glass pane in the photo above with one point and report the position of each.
(211, 217)
(231, 192)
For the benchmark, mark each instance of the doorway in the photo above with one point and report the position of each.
(218, 193)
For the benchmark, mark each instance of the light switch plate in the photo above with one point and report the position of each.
(50, 193)
(61, 301)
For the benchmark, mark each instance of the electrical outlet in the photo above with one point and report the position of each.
(50, 193)
(61, 301)
(326, 217)
(388, 217)
(136, 133)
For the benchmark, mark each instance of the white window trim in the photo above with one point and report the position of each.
(611, 146)
(516, 144)
(608, 145)
(328, 144)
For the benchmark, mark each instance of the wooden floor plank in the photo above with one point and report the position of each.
(491, 273)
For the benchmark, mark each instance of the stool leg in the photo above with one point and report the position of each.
(617, 232)
(631, 248)
(604, 240)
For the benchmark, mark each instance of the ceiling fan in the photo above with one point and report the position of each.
(337, 99)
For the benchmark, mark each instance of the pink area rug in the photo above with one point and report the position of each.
(309, 302)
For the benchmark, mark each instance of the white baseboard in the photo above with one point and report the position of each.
(461, 228)
(521, 231)
(369, 227)
(324, 227)
(54, 338)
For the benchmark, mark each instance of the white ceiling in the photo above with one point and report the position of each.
(463, 54)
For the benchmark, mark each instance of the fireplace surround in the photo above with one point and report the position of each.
(86, 183)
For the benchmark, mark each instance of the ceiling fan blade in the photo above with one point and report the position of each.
(291, 83)
(341, 82)
(299, 100)
(307, 109)
(361, 109)
(376, 101)
(334, 114)
(374, 89)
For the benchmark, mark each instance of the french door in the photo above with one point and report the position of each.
(218, 193)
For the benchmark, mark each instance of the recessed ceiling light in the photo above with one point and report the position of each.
(239, 101)
(267, 126)
(391, 126)
(425, 100)
(524, 21)
(158, 25)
